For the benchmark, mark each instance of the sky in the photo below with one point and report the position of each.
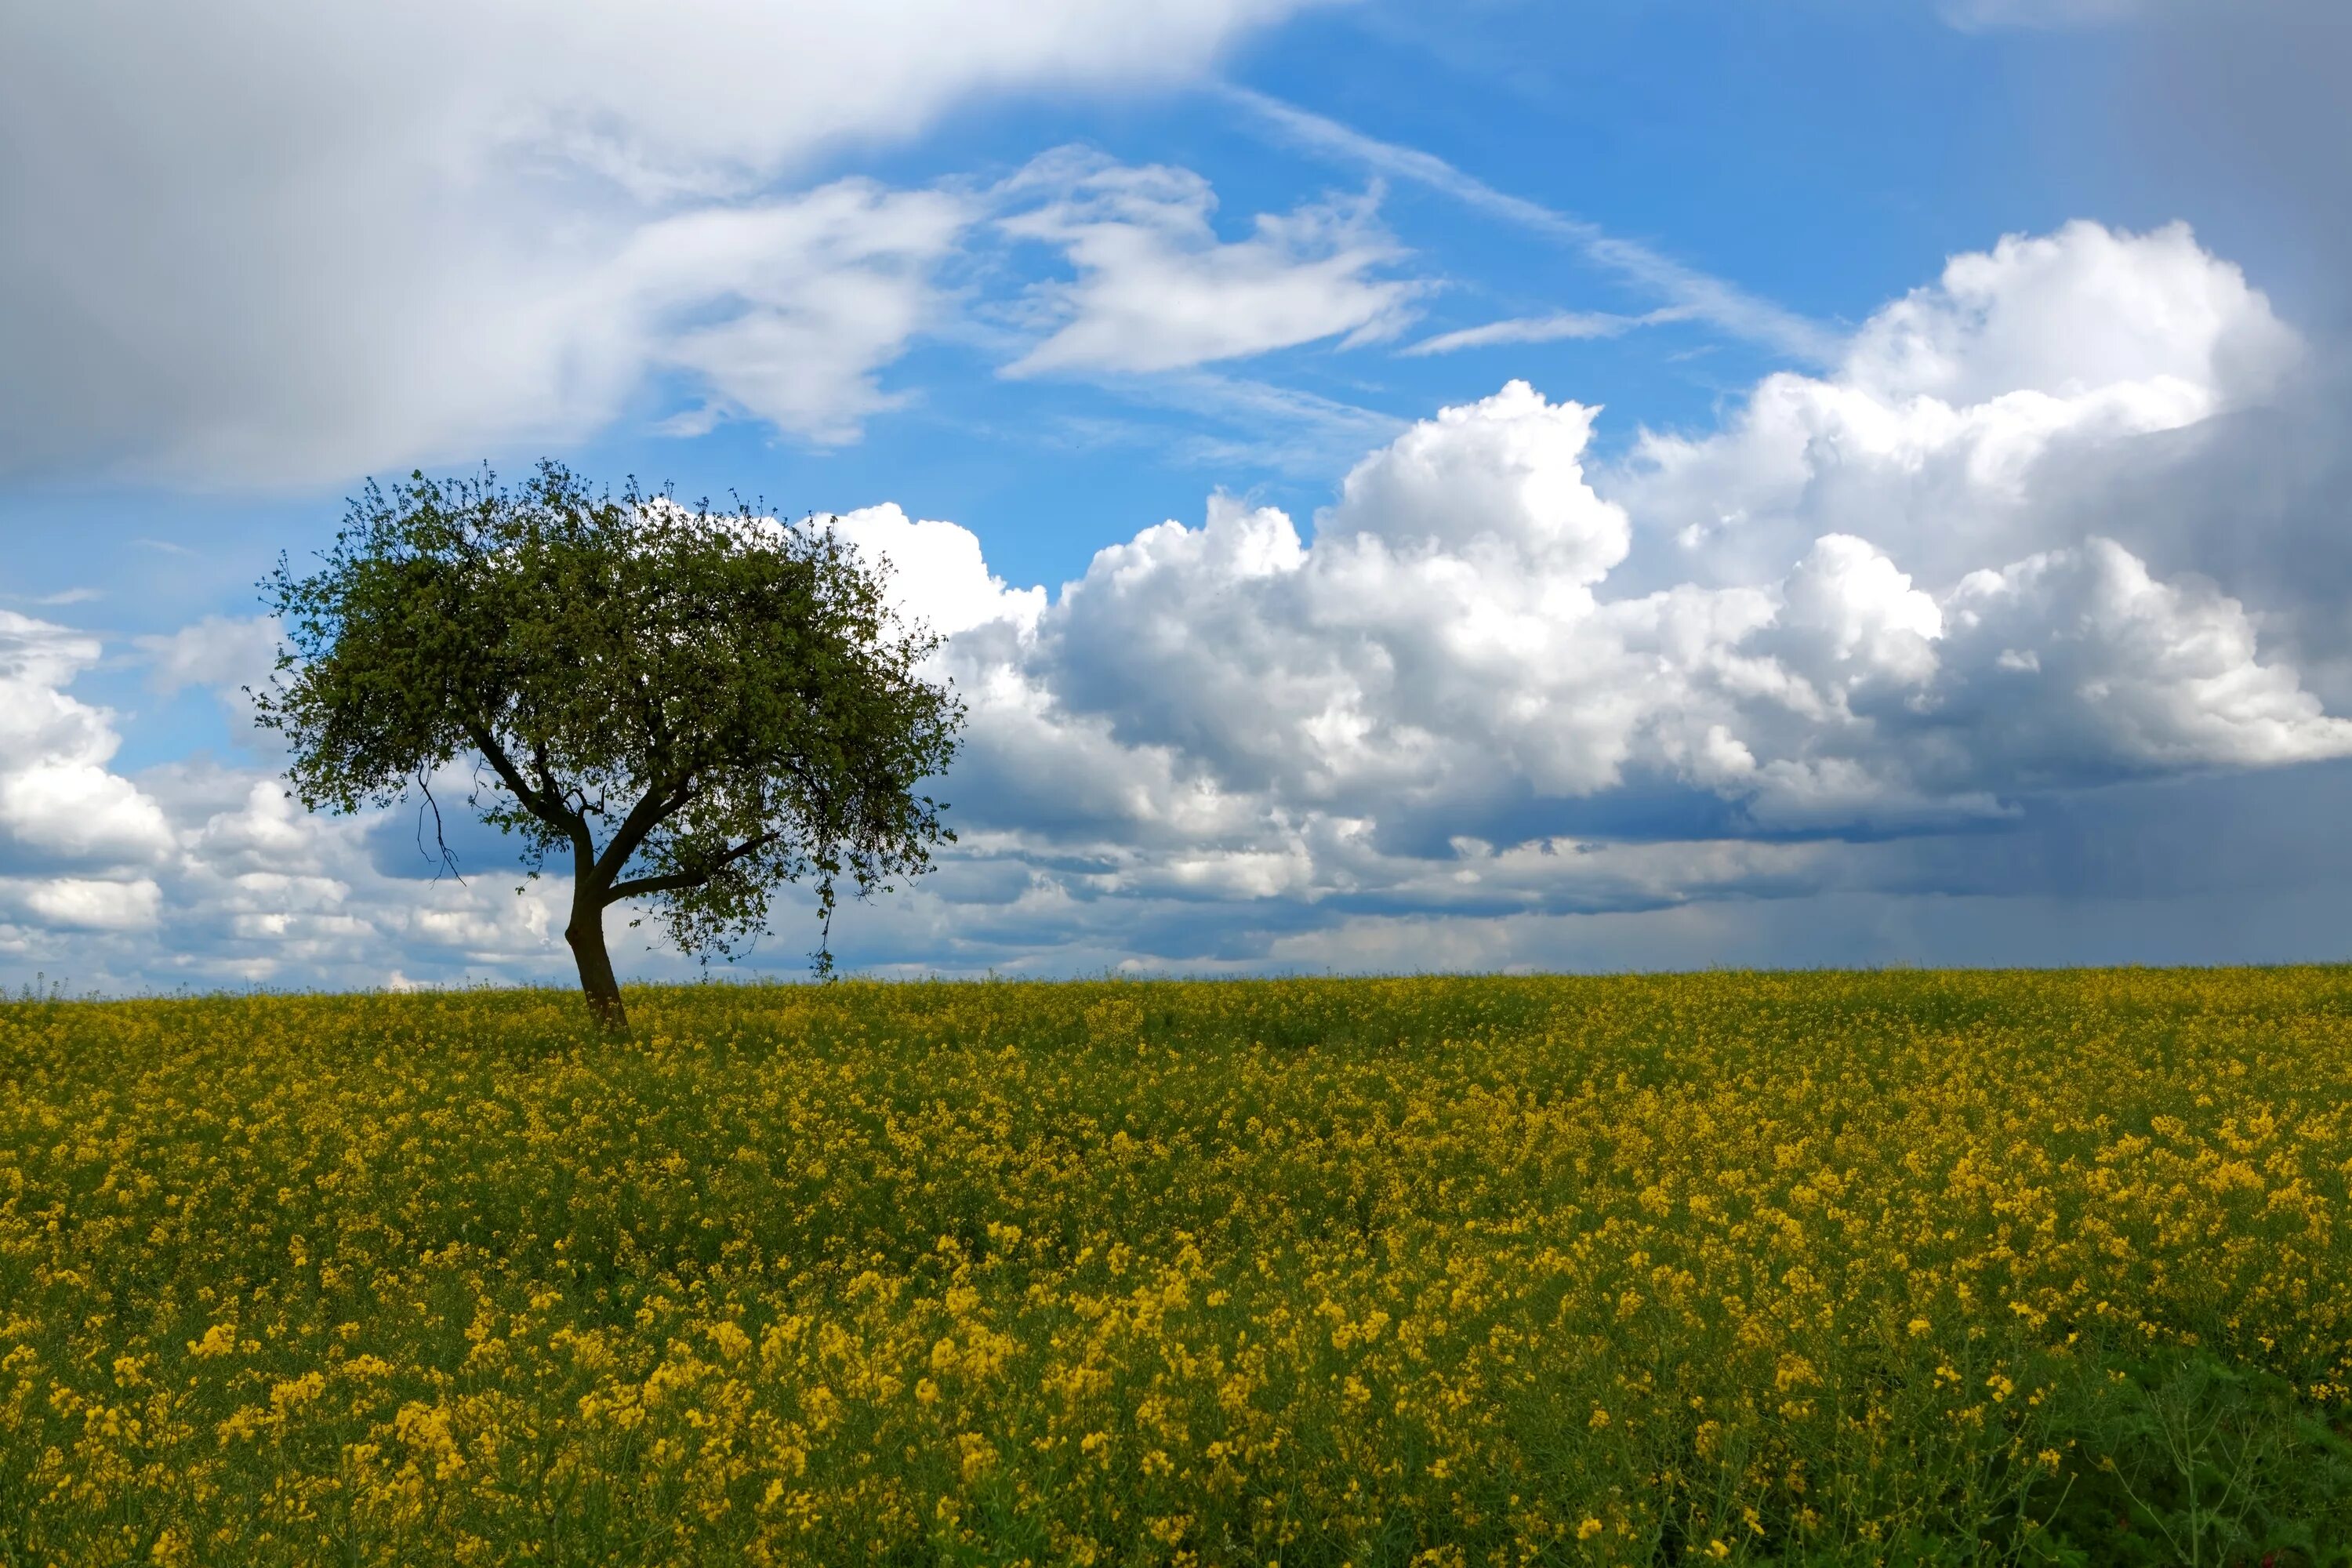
(1626, 484)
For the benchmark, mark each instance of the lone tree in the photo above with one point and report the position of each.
(683, 706)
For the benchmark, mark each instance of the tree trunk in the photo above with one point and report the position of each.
(586, 935)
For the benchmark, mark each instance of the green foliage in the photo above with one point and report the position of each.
(2200, 1460)
(689, 707)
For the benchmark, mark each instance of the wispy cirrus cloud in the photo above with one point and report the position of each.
(1559, 326)
(1703, 296)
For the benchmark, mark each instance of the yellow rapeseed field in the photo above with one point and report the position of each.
(1794, 1269)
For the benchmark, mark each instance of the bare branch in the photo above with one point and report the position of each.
(448, 856)
(678, 881)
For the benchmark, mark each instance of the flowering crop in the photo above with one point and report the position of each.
(1820, 1269)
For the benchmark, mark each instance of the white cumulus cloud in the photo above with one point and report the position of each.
(1876, 602)
(1957, 409)
(60, 805)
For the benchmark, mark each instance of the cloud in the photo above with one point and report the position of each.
(2085, 308)
(1702, 296)
(220, 651)
(938, 575)
(248, 242)
(820, 291)
(1447, 641)
(1889, 640)
(1157, 291)
(59, 808)
(201, 874)
(1556, 327)
(1876, 604)
(1241, 422)
(63, 596)
(1956, 413)
(2142, 675)
(2239, 111)
(82, 903)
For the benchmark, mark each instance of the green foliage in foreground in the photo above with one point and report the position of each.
(1894, 1268)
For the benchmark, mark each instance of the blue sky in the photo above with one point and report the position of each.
(1057, 275)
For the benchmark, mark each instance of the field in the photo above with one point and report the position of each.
(1827, 1268)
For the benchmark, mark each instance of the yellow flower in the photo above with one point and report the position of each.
(220, 1340)
(1237, 1268)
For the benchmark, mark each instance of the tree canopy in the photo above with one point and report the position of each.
(682, 706)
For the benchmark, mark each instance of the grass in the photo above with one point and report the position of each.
(1824, 1268)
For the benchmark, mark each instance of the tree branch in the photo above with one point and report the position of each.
(440, 833)
(572, 820)
(546, 808)
(679, 881)
(657, 803)
(547, 789)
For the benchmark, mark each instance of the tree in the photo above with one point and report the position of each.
(688, 707)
